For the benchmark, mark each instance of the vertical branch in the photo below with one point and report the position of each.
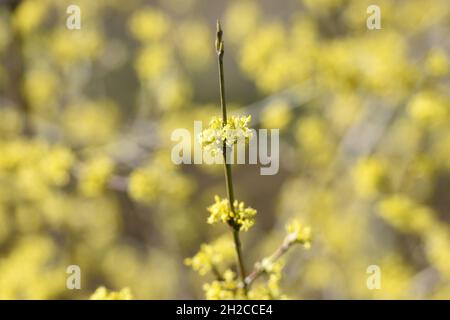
(227, 166)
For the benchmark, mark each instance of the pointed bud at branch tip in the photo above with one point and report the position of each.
(219, 28)
(219, 41)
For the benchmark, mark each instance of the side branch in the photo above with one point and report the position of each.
(260, 266)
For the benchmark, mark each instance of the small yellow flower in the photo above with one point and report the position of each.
(437, 62)
(104, 294)
(94, 175)
(211, 256)
(149, 25)
(241, 216)
(369, 176)
(302, 233)
(235, 130)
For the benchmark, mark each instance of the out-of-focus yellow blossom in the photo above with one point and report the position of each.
(212, 256)
(94, 175)
(241, 19)
(172, 93)
(377, 62)
(301, 232)
(104, 294)
(56, 165)
(314, 139)
(40, 87)
(242, 217)
(370, 176)
(194, 40)
(143, 185)
(345, 110)
(29, 14)
(70, 47)
(402, 213)
(437, 62)
(149, 24)
(31, 182)
(428, 107)
(91, 122)
(276, 115)
(414, 16)
(266, 58)
(331, 64)
(235, 131)
(154, 269)
(257, 52)
(437, 248)
(14, 153)
(32, 270)
(152, 182)
(152, 61)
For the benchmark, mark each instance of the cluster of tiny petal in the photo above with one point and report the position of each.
(302, 233)
(235, 130)
(211, 256)
(241, 216)
(104, 294)
(226, 288)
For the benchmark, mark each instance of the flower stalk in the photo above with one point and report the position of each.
(225, 152)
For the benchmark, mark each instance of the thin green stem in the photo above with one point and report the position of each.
(227, 166)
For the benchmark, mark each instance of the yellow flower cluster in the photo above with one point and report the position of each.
(94, 175)
(224, 289)
(104, 294)
(429, 108)
(234, 131)
(276, 115)
(29, 15)
(240, 216)
(149, 24)
(302, 233)
(406, 215)
(212, 256)
(148, 183)
(228, 286)
(90, 122)
(35, 166)
(370, 176)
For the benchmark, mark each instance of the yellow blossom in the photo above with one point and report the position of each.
(241, 216)
(104, 294)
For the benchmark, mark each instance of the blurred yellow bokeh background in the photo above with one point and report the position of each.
(86, 116)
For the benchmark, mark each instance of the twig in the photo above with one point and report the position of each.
(288, 241)
(227, 166)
